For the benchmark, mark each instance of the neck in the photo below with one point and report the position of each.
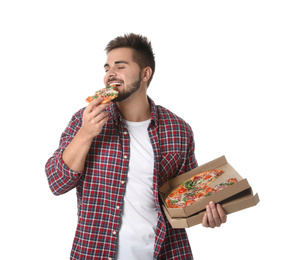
(135, 109)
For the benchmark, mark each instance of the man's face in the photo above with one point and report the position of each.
(120, 68)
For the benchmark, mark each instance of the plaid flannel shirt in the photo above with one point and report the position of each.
(100, 188)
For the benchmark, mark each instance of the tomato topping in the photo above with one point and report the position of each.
(209, 190)
(182, 190)
(203, 187)
(207, 177)
(234, 180)
(89, 99)
(189, 202)
(199, 195)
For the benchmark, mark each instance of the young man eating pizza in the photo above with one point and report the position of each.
(117, 155)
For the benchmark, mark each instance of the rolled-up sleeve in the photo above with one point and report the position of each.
(60, 177)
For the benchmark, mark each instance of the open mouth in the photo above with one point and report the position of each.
(116, 84)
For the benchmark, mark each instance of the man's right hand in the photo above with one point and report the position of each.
(93, 118)
(93, 121)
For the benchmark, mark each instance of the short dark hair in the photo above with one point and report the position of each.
(142, 49)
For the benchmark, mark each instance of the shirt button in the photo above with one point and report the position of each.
(122, 182)
(114, 232)
(125, 133)
(125, 156)
(118, 207)
(109, 258)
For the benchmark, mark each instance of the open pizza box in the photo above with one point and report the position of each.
(240, 201)
(220, 196)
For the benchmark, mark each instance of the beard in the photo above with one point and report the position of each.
(133, 87)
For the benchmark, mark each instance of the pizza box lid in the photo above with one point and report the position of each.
(219, 163)
(240, 201)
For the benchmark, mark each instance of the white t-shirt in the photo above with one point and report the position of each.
(139, 218)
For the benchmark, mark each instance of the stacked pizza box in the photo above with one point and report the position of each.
(236, 197)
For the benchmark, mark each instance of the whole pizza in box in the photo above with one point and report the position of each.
(196, 188)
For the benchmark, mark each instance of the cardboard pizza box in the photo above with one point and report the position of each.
(240, 201)
(219, 163)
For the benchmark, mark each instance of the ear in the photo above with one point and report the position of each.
(146, 74)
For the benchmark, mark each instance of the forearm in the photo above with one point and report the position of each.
(93, 120)
(65, 168)
(75, 154)
(62, 178)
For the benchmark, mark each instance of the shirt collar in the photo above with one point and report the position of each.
(154, 112)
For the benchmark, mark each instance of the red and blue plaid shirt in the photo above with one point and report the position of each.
(101, 186)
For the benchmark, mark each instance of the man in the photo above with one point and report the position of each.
(117, 155)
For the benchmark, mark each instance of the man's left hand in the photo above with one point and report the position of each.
(214, 216)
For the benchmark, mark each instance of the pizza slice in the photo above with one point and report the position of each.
(109, 93)
(225, 184)
(188, 191)
(189, 199)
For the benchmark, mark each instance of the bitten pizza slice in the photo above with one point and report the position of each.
(109, 93)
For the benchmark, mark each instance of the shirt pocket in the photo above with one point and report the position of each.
(169, 166)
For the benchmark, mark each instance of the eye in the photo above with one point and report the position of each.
(120, 68)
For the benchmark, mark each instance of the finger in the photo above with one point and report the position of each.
(210, 218)
(102, 122)
(215, 214)
(204, 220)
(98, 109)
(93, 104)
(221, 213)
(99, 122)
(100, 117)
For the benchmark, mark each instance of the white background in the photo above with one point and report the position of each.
(237, 61)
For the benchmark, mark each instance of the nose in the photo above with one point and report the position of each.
(110, 74)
